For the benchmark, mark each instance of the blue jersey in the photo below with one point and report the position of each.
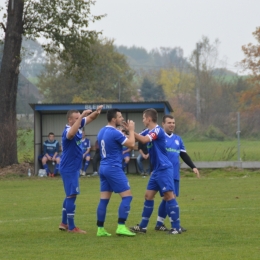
(85, 144)
(174, 145)
(72, 152)
(110, 141)
(51, 147)
(156, 148)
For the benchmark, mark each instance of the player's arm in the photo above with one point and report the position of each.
(130, 141)
(74, 129)
(143, 139)
(94, 115)
(186, 158)
(88, 150)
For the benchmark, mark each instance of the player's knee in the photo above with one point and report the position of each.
(169, 195)
(149, 196)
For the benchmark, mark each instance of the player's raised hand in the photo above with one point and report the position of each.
(131, 125)
(86, 112)
(99, 108)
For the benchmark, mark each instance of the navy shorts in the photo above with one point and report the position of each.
(113, 179)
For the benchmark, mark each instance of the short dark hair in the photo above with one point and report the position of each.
(70, 112)
(167, 116)
(50, 133)
(111, 113)
(151, 113)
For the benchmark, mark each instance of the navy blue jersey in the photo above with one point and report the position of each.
(50, 147)
(157, 148)
(85, 144)
(72, 152)
(110, 141)
(174, 145)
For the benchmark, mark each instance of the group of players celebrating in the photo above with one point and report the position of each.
(164, 150)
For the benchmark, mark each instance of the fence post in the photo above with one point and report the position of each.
(238, 137)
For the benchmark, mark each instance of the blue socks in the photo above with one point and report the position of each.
(57, 167)
(162, 213)
(70, 208)
(173, 212)
(124, 165)
(101, 212)
(124, 209)
(45, 166)
(86, 166)
(147, 212)
(64, 219)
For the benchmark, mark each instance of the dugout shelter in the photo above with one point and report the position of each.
(52, 118)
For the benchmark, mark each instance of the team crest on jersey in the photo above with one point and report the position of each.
(177, 142)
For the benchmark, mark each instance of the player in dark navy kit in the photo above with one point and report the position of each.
(85, 146)
(51, 153)
(112, 177)
(175, 148)
(71, 164)
(162, 176)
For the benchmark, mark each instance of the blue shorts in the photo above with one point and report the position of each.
(71, 183)
(126, 155)
(176, 187)
(113, 179)
(161, 181)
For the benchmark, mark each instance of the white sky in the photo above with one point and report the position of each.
(180, 23)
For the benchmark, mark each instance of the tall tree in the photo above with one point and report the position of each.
(251, 63)
(150, 91)
(63, 23)
(110, 78)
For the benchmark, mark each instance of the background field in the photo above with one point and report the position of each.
(221, 212)
(199, 151)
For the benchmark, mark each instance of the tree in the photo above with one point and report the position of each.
(150, 91)
(63, 24)
(250, 99)
(109, 78)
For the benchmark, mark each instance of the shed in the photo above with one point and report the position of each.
(52, 118)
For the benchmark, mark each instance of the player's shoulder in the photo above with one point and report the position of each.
(177, 137)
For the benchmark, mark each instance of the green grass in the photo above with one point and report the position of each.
(199, 151)
(223, 150)
(220, 210)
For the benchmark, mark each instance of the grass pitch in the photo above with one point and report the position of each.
(221, 212)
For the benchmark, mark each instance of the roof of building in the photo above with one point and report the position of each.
(123, 106)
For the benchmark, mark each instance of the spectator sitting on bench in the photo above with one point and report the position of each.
(85, 146)
(51, 153)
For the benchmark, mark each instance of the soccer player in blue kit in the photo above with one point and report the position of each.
(175, 149)
(112, 176)
(71, 163)
(162, 176)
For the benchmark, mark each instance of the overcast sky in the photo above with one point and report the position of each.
(180, 23)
